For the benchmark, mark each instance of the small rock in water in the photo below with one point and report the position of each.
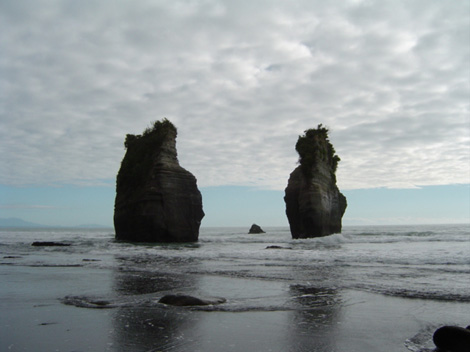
(256, 229)
(452, 338)
(184, 300)
(49, 244)
(277, 247)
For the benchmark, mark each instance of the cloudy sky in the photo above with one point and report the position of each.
(240, 80)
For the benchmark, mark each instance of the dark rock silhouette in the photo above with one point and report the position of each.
(156, 199)
(256, 229)
(314, 205)
(452, 338)
(49, 244)
(184, 300)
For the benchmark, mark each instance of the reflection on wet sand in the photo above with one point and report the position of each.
(317, 305)
(262, 315)
(146, 324)
(138, 329)
(313, 323)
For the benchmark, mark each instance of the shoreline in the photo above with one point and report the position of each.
(341, 293)
(34, 318)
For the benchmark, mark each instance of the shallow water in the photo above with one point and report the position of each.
(369, 288)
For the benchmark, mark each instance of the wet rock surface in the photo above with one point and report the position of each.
(185, 300)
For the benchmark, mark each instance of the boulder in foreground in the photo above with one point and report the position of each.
(452, 338)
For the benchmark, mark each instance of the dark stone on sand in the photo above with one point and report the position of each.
(256, 229)
(184, 300)
(156, 199)
(49, 244)
(452, 338)
(314, 204)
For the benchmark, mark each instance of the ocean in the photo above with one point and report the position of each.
(371, 288)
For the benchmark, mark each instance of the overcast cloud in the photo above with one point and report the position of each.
(240, 80)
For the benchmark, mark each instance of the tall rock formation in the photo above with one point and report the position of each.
(314, 205)
(156, 199)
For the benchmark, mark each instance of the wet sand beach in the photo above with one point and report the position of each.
(35, 318)
(100, 295)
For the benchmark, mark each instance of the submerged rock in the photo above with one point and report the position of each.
(314, 205)
(452, 338)
(156, 199)
(88, 302)
(184, 300)
(256, 229)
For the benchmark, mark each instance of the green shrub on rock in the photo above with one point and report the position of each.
(314, 147)
(140, 149)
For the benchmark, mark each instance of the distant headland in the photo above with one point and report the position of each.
(20, 223)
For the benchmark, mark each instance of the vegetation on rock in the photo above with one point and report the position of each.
(314, 147)
(140, 149)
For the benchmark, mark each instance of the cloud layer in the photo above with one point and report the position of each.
(241, 80)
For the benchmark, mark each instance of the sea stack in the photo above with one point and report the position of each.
(156, 199)
(256, 229)
(314, 205)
